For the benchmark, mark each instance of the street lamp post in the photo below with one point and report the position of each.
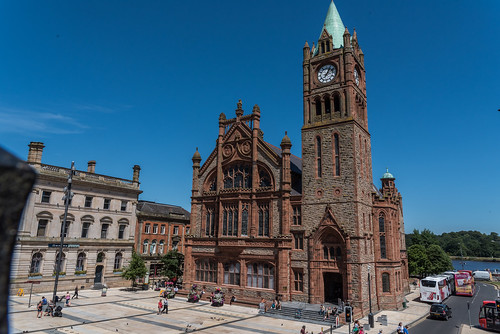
(67, 198)
(370, 315)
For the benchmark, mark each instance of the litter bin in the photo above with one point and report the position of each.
(404, 304)
(103, 292)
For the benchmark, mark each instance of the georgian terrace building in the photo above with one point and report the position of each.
(100, 230)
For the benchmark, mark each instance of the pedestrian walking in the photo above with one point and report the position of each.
(68, 297)
(76, 293)
(39, 308)
(405, 330)
(165, 305)
(399, 329)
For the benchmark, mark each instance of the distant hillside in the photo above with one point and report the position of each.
(466, 243)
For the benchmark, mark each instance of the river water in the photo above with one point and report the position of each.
(476, 265)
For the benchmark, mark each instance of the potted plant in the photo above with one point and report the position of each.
(35, 275)
(193, 296)
(80, 272)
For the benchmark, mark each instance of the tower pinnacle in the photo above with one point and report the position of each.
(334, 26)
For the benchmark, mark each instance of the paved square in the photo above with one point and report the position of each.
(135, 312)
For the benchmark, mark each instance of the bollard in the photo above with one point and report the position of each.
(103, 292)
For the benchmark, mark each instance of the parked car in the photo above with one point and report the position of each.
(440, 311)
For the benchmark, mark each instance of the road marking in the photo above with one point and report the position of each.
(477, 292)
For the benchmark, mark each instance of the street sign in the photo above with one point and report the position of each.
(64, 245)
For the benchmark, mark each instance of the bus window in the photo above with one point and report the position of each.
(428, 284)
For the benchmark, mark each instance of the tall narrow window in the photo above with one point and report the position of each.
(210, 223)
(367, 163)
(36, 263)
(361, 168)
(336, 149)
(161, 247)
(123, 206)
(297, 217)
(147, 228)
(121, 231)
(298, 277)
(107, 203)
(118, 261)
(386, 282)
(145, 246)
(66, 228)
(299, 240)
(104, 231)
(381, 227)
(88, 201)
(162, 229)
(232, 273)
(263, 220)
(46, 196)
(327, 105)
(244, 220)
(318, 106)
(155, 228)
(152, 248)
(318, 156)
(80, 262)
(85, 230)
(230, 221)
(42, 227)
(336, 103)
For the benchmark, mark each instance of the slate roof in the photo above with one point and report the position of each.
(148, 208)
(295, 166)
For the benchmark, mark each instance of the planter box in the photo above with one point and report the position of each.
(35, 277)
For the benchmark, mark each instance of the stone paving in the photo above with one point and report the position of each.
(136, 312)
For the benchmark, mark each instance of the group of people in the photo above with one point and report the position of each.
(47, 308)
(276, 305)
(402, 329)
(327, 312)
(163, 305)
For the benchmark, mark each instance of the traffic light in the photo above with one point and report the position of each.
(348, 314)
(498, 305)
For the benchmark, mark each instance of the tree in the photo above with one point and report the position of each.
(173, 264)
(418, 262)
(439, 261)
(136, 268)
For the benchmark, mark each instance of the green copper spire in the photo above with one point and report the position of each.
(334, 26)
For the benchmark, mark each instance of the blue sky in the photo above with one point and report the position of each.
(143, 82)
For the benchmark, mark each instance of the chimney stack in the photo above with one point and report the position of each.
(137, 169)
(35, 152)
(91, 166)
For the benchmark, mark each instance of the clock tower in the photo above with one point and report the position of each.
(337, 171)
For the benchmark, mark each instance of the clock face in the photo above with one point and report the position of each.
(327, 73)
(356, 77)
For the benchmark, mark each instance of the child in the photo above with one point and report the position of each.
(39, 308)
(160, 307)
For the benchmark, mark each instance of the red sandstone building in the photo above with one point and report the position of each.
(267, 223)
(160, 228)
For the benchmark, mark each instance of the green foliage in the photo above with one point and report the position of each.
(173, 264)
(423, 261)
(135, 269)
(466, 243)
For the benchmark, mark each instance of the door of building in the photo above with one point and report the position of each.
(333, 287)
(98, 274)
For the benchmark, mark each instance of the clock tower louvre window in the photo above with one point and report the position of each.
(336, 149)
(318, 157)
(317, 102)
(327, 105)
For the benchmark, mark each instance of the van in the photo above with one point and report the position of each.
(482, 275)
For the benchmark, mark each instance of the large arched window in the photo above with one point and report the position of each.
(318, 157)
(260, 275)
(145, 246)
(36, 263)
(386, 282)
(336, 152)
(100, 257)
(118, 261)
(381, 227)
(232, 273)
(81, 260)
(206, 270)
(237, 176)
(152, 248)
(161, 247)
(62, 266)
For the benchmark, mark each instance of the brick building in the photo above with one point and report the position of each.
(265, 222)
(160, 229)
(100, 230)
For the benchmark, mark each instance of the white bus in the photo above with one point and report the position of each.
(434, 289)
